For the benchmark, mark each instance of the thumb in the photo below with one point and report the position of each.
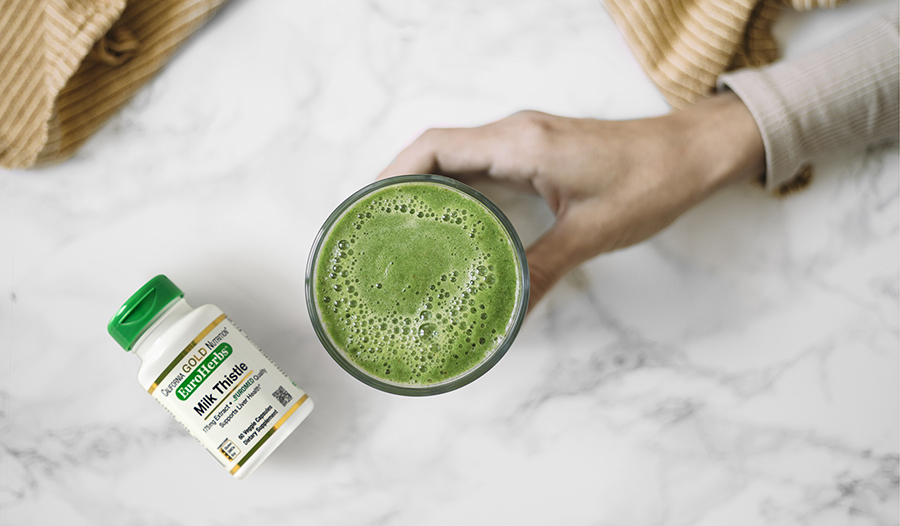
(551, 257)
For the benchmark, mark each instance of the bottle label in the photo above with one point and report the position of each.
(227, 393)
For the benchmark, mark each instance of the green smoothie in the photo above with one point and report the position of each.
(417, 283)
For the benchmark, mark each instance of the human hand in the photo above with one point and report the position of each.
(610, 184)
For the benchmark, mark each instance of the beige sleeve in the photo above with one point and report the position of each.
(840, 98)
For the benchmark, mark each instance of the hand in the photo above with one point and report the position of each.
(610, 184)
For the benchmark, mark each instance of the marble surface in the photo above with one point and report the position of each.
(739, 368)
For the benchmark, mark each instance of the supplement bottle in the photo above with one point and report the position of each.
(208, 374)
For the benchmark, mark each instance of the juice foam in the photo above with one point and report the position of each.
(417, 283)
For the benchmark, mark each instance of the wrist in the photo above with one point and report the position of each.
(722, 141)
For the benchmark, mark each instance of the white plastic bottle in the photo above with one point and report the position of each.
(209, 375)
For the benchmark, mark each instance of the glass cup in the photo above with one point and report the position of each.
(439, 343)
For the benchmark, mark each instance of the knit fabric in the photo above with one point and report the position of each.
(67, 65)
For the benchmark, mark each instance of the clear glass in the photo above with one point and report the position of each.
(518, 312)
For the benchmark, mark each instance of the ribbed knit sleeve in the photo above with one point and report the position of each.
(843, 97)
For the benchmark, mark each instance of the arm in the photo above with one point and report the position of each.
(610, 184)
(841, 98)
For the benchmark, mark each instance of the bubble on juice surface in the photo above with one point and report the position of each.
(428, 331)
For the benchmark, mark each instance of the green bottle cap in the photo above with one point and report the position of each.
(141, 310)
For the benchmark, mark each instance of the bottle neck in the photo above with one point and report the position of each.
(172, 314)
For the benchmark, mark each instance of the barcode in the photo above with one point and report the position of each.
(282, 396)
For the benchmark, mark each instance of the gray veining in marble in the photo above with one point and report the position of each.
(740, 368)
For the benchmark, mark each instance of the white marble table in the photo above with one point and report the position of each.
(740, 368)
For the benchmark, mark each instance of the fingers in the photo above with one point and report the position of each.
(417, 158)
(446, 151)
(503, 151)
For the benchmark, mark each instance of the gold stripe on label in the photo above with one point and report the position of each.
(186, 350)
(265, 437)
(291, 411)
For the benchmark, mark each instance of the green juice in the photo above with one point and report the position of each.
(417, 283)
